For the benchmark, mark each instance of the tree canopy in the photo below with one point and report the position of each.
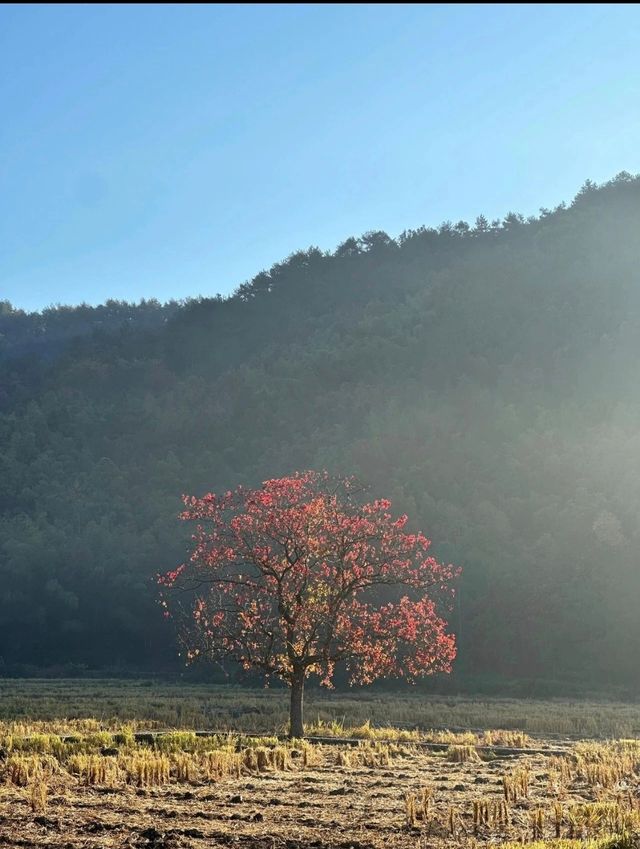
(295, 576)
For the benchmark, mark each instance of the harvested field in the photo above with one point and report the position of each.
(104, 789)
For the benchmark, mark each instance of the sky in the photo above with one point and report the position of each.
(171, 151)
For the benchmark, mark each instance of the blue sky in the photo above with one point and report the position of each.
(172, 151)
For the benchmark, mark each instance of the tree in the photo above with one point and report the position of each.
(289, 579)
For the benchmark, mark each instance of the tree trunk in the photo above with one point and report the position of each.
(296, 726)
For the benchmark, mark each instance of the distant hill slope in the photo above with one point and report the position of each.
(484, 378)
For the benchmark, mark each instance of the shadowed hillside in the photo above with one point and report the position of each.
(483, 377)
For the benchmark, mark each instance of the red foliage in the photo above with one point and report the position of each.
(288, 579)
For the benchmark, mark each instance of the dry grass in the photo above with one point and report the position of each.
(616, 841)
(461, 754)
(384, 733)
(62, 781)
(73, 705)
(373, 794)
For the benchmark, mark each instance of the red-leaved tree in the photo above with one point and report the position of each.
(301, 574)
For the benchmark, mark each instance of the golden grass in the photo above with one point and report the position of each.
(180, 757)
(385, 733)
(515, 785)
(461, 754)
(367, 754)
(586, 798)
(612, 841)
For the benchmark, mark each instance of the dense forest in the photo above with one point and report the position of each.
(47, 333)
(484, 377)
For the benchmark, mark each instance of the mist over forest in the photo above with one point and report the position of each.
(483, 376)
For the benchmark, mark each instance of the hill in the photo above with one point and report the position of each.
(483, 377)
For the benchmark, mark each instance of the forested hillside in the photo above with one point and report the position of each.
(44, 334)
(484, 377)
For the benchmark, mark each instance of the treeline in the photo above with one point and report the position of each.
(482, 376)
(46, 333)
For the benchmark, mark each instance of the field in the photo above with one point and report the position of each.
(93, 764)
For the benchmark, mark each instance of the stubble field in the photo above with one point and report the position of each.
(75, 778)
